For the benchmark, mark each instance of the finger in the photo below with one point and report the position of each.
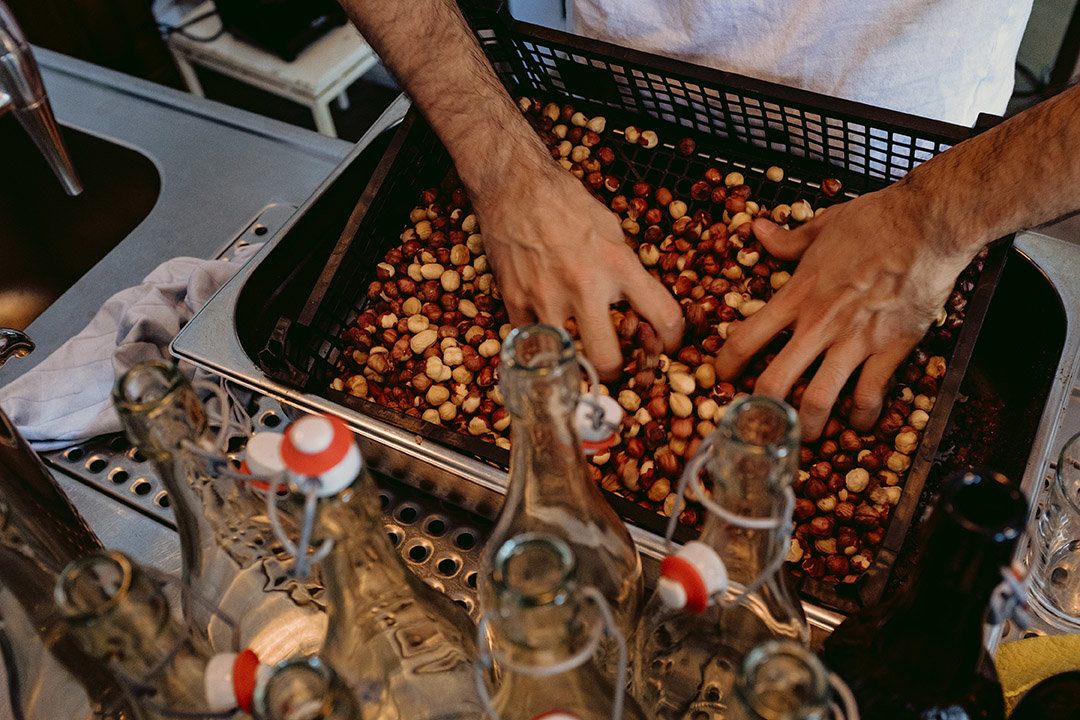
(654, 303)
(601, 344)
(874, 382)
(520, 314)
(781, 243)
(747, 337)
(790, 364)
(824, 388)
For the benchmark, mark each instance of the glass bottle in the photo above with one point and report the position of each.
(229, 556)
(725, 593)
(1055, 698)
(551, 489)
(545, 630)
(40, 533)
(921, 654)
(780, 679)
(119, 614)
(307, 689)
(388, 630)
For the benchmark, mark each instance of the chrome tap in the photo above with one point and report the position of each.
(23, 93)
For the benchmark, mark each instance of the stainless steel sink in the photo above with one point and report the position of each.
(48, 239)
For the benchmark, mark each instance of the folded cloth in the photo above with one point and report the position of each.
(1022, 664)
(65, 399)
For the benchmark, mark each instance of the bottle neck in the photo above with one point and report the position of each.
(542, 622)
(362, 568)
(120, 615)
(782, 680)
(749, 469)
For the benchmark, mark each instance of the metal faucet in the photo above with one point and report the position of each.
(23, 93)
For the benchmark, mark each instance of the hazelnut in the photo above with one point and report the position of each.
(648, 139)
(681, 405)
(856, 480)
(774, 173)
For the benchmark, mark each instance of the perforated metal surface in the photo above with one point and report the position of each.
(438, 541)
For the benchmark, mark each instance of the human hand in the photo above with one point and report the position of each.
(870, 281)
(558, 253)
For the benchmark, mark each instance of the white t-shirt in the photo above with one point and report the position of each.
(943, 59)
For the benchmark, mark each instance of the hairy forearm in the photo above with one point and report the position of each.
(1021, 173)
(432, 51)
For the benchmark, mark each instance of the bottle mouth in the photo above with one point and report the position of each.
(297, 689)
(533, 570)
(986, 502)
(146, 385)
(94, 585)
(537, 348)
(781, 680)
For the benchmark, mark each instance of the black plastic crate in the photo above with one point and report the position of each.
(737, 123)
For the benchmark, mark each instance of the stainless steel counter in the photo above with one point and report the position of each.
(220, 167)
(224, 171)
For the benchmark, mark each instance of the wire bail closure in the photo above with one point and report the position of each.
(489, 655)
(597, 417)
(719, 590)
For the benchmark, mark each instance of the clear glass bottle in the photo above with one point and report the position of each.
(307, 689)
(545, 630)
(229, 555)
(40, 533)
(921, 654)
(780, 679)
(725, 593)
(120, 615)
(551, 490)
(388, 630)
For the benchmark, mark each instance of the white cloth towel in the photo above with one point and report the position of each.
(66, 399)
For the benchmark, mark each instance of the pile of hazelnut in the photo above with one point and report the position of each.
(427, 343)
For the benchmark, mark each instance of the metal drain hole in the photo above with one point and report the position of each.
(163, 500)
(419, 553)
(97, 464)
(448, 566)
(119, 476)
(470, 579)
(136, 455)
(75, 454)
(395, 535)
(464, 602)
(384, 501)
(119, 444)
(407, 513)
(465, 540)
(141, 487)
(436, 526)
(270, 419)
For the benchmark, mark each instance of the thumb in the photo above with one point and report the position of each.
(781, 243)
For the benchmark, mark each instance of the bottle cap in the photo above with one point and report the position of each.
(230, 679)
(598, 418)
(323, 447)
(262, 456)
(690, 577)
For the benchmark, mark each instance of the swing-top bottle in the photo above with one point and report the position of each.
(723, 594)
(229, 557)
(389, 632)
(550, 489)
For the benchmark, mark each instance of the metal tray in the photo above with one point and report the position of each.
(275, 326)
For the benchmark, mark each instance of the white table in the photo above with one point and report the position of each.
(322, 72)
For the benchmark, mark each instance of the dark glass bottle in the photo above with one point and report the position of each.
(1055, 698)
(921, 654)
